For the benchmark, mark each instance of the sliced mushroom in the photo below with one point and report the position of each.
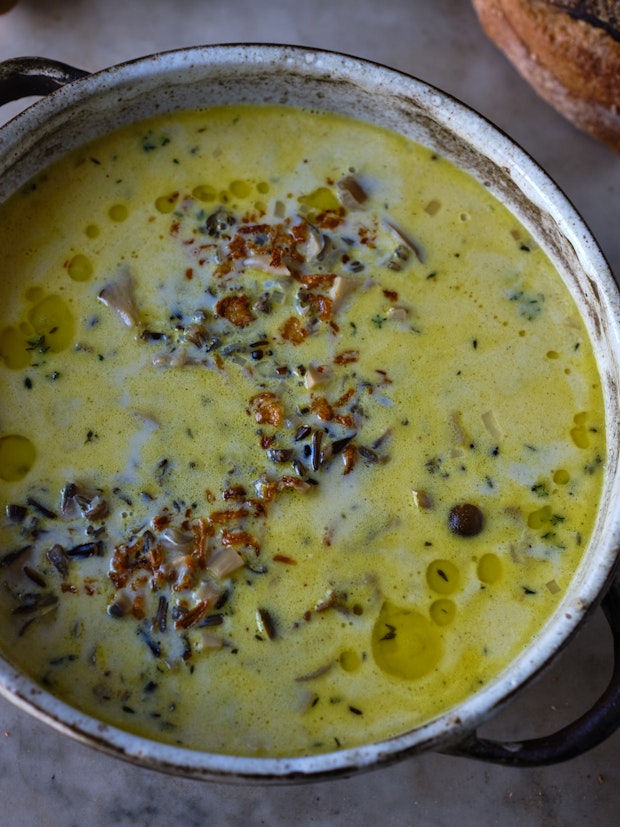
(119, 296)
(78, 500)
(404, 239)
(352, 194)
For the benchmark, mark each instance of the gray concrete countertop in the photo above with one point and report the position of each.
(48, 779)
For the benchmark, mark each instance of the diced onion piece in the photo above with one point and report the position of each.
(342, 287)
(263, 264)
(460, 437)
(207, 593)
(314, 245)
(553, 586)
(316, 375)
(398, 314)
(224, 561)
(177, 359)
(492, 425)
(203, 640)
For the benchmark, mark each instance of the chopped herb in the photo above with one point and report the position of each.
(591, 467)
(529, 305)
(38, 344)
(391, 633)
(62, 659)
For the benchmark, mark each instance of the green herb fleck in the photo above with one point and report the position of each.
(151, 141)
(38, 344)
(391, 632)
(591, 467)
(540, 489)
(529, 304)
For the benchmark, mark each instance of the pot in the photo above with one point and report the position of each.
(79, 107)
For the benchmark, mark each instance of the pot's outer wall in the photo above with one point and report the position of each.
(199, 77)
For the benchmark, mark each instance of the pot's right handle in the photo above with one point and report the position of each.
(23, 77)
(591, 729)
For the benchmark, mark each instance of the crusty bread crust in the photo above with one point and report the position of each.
(572, 63)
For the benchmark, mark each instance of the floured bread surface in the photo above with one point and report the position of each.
(302, 436)
(569, 52)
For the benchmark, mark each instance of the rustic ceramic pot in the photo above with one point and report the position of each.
(78, 107)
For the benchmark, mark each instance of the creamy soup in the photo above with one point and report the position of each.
(302, 436)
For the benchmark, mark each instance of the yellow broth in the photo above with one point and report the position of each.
(302, 435)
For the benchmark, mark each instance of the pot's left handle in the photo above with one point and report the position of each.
(23, 77)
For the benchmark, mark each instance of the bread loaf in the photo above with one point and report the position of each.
(568, 51)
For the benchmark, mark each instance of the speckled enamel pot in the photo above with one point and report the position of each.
(80, 107)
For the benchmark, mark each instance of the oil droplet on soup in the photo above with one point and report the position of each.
(14, 348)
(266, 487)
(405, 643)
(17, 456)
(443, 612)
(51, 318)
(80, 267)
(443, 576)
(489, 568)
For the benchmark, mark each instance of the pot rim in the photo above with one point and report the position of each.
(455, 125)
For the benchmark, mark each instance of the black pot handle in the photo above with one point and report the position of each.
(591, 729)
(23, 77)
